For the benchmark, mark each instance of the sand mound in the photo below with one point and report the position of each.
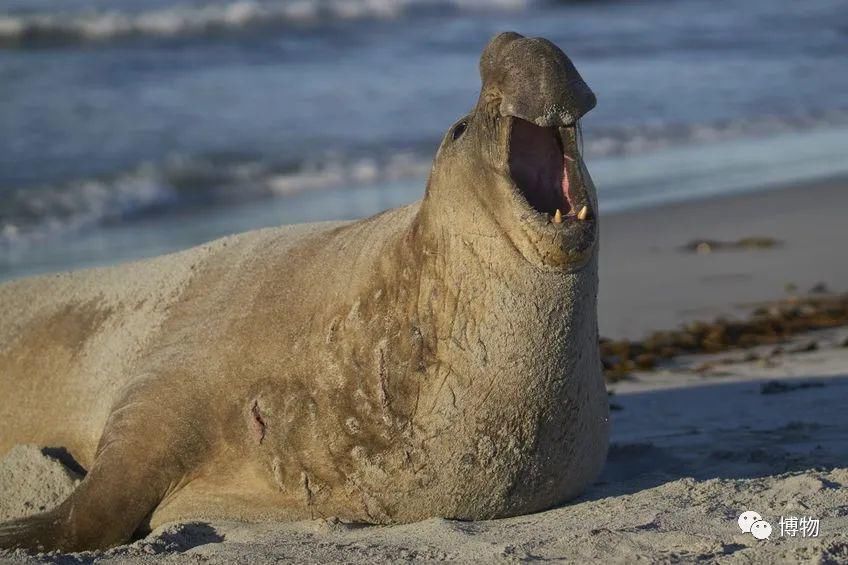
(32, 482)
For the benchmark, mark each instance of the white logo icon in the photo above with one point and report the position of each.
(761, 529)
(752, 523)
(747, 519)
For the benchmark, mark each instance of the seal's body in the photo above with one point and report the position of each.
(439, 359)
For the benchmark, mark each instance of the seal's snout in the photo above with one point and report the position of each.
(534, 80)
(532, 99)
(535, 86)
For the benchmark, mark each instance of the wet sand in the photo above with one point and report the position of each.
(648, 283)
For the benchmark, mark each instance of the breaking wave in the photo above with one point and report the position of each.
(26, 28)
(181, 185)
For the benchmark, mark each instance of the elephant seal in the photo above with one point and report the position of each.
(439, 359)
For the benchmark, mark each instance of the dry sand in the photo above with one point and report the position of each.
(32, 481)
(689, 452)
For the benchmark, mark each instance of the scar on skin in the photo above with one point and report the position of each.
(258, 422)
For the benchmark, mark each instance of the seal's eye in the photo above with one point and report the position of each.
(459, 129)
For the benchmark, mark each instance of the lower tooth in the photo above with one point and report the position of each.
(584, 213)
(558, 217)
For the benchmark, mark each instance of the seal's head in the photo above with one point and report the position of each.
(512, 168)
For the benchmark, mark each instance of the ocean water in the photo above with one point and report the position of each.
(135, 127)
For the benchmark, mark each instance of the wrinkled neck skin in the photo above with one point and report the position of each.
(487, 367)
(514, 342)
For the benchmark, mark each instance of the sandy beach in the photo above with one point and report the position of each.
(690, 450)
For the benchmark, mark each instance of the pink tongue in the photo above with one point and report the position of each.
(565, 185)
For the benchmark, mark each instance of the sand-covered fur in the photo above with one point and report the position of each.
(439, 359)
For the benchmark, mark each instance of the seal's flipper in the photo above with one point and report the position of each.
(122, 488)
(35, 532)
(103, 511)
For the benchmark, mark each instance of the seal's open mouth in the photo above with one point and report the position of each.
(544, 163)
